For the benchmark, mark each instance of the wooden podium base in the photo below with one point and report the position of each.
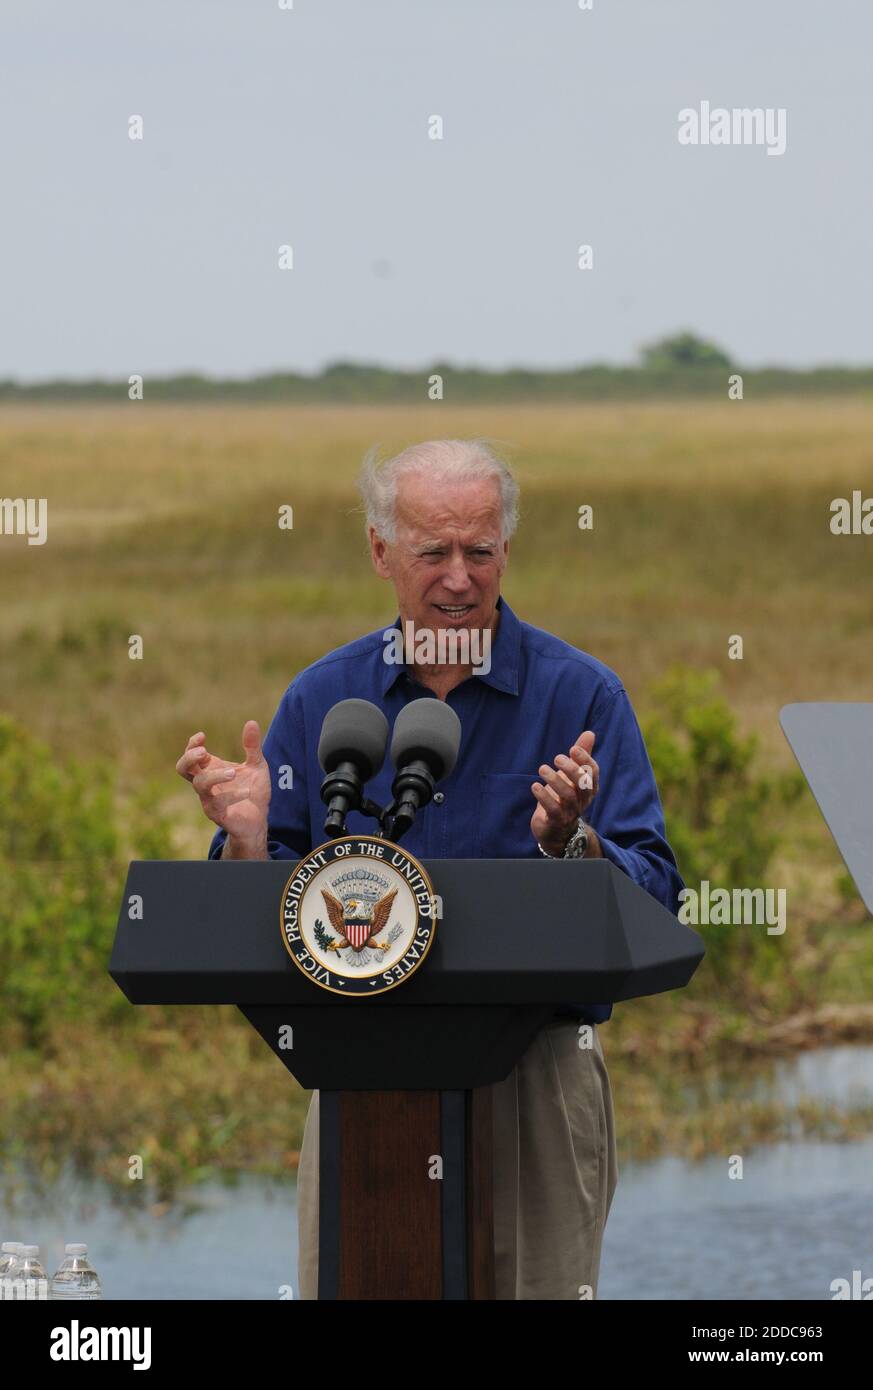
(405, 1195)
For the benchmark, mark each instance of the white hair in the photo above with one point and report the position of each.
(440, 460)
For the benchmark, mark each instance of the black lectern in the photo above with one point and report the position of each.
(403, 1076)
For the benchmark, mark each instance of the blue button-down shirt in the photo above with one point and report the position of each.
(538, 697)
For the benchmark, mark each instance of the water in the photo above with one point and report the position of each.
(218, 1242)
(801, 1217)
(841, 1075)
(76, 1278)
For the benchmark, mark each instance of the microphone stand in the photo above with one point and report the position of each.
(394, 819)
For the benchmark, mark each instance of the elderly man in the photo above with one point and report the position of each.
(527, 783)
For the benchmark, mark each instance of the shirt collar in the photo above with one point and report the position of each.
(505, 654)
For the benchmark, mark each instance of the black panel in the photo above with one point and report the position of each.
(426, 1049)
(513, 931)
(453, 1129)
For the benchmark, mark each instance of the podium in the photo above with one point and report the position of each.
(405, 1207)
(833, 743)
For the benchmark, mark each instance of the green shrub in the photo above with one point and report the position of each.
(64, 848)
(725, 817)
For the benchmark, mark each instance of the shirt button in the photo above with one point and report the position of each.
(439, 798)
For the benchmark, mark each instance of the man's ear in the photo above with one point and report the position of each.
(379, 554)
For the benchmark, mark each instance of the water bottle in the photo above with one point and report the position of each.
(75, 1278)
(30, 1271)
(9, 1253)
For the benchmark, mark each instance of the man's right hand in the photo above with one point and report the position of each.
(236, 796)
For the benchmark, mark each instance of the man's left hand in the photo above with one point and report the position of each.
(564, 794)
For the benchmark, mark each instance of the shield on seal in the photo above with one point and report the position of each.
(357, 922)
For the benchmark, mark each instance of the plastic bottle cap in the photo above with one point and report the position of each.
(75, 1249)
(29, 1250)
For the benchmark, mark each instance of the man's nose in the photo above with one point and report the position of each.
(456, 576)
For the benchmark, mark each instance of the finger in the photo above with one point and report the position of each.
(547, 798)
(558, 813)
(583, 776)
(584, 743)
(251, 740)
(190, 761)
(195, 738)
(572, 773)
(205, 781)
(583, 759)
(559, 782)
(549, 802)
(560, 785)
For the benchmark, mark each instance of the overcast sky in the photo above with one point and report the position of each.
(309, 127)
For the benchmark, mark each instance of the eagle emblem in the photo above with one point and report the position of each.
(357, 922)
(380, 918)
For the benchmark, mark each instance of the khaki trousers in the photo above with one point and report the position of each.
(555, 1170)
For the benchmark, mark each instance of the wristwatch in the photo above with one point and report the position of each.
(575, 847)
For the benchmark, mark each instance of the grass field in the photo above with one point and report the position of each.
(710, 520)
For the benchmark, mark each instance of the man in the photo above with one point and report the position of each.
(526, 784)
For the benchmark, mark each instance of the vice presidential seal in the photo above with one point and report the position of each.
(358, 916)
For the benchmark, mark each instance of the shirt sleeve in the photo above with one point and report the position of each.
(626, 813)
(289, 834)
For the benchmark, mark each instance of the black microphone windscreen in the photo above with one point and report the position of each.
(428, 729)
(354, 731)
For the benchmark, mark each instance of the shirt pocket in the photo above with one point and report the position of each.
(505, 806)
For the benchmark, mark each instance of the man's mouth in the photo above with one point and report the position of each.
(455, 612)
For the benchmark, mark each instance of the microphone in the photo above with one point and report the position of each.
(351, 749)
(424, 748)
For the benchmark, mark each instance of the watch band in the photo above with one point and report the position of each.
(575, 847)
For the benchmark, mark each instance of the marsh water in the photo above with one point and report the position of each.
(800, 1218)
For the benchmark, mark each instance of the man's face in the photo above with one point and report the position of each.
(448, 559)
